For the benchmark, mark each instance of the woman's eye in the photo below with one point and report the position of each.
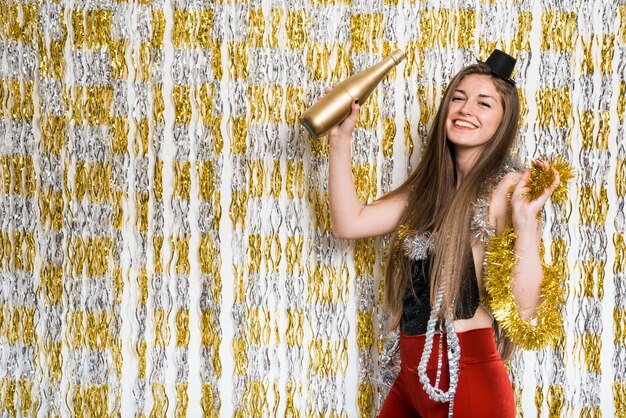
(457, 99)
(485, 104)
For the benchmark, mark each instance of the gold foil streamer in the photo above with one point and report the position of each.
(365, 330)
(28, 109)
(365, 181)
(500, 260)
(208, 402)
(142, 359)
(205, 95)
(465, 23)
(117, 52)
(180, 245)
(365, 399)
(51, 278)
(142, 70)
(90, 329)
(592, 279)
(91, 400)
(158, 180)
(142, 284)
(589, 346)
(558, 30)
(5, 163)
(295, 179)
(256, 27)
(240, 357)
(594, 205)
(606, 63)
(318, 60)
(202, 36)
(295, 27)
(587, 65)
(182, 400)
(184, 22)
(18, 326)
(207, 253)
(604, 128)
(182, 179)
(182, 104)
(182, 327)
(158, 106)
(619, 395)
(437, 22)
(556, 394)
(237, 60)
(159, 400)
(272, 252)
(524, 27)
(342, 65)
(157, 245)
(141, 204)
(541, 179)
(15, 96)
(119, 143)
(161, 328)
(158, 28)
(97, 28)
(52, 135)
(619, 326)
(554, 107)
(619, 264)
(240, 131)
(99, 176)
(97, 252)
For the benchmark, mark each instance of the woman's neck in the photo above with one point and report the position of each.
(464, 161)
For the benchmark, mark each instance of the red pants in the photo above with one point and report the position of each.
(484, 389)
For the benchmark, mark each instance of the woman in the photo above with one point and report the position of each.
(433, 283)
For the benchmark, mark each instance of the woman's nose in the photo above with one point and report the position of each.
(466, 109)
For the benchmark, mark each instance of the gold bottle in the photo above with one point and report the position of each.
(335, 106)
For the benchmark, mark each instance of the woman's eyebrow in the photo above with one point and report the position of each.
(486, 96)
(482, 95)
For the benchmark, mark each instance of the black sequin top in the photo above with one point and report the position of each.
(416, 302)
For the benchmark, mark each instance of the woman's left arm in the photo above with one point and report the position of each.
(525, 215)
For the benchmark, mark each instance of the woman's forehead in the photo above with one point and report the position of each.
(478, 84)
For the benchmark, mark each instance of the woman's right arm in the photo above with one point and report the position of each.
(350, 218)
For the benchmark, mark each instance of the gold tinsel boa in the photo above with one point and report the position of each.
(500, 260)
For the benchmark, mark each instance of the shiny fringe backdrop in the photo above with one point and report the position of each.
(165, 244)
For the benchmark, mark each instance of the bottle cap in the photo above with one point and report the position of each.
(397, 56)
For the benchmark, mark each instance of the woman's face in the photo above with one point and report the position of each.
(474, 113)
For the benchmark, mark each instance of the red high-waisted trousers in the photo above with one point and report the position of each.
(484, 389)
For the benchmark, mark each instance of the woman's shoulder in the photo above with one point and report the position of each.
(492, 207)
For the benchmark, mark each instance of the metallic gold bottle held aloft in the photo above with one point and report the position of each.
(335, 106)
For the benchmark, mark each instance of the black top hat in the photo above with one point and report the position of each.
(501, 65)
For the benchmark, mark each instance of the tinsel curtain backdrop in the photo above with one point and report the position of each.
(165, 243)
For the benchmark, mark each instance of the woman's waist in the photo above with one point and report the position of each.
(414, 322)
(477, 345)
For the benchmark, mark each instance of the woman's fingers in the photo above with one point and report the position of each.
(521, 184)
(346, 126)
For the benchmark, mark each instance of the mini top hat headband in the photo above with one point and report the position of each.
(501, 65)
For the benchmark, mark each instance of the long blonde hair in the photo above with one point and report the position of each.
(436, 205)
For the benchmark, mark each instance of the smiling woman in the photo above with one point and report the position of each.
(434, 281)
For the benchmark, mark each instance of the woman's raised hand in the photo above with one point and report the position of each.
(525, 210)
(345, 128)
